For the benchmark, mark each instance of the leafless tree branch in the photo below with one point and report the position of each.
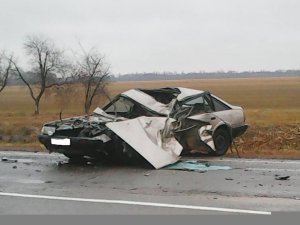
(5, 70)
(93, 73)
(46, 60)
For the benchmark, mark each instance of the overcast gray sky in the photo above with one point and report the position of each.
(164, 35)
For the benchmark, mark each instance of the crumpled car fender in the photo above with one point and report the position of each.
(206, 132)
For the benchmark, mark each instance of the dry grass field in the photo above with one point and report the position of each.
(272, 107)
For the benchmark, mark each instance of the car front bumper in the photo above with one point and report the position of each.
(77, 145)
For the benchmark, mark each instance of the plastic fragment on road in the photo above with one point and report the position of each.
(194, 165)
(7, 160)
(282, 177)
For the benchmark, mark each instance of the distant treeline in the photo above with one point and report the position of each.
(14, 80)
(203, 75)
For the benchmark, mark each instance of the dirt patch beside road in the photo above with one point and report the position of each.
(275, 138)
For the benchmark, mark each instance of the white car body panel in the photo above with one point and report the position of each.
(143, 135)
(233, 117)
(186, 92)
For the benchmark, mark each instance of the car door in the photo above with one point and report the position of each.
(231, 116)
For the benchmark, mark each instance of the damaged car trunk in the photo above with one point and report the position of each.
(157, 125)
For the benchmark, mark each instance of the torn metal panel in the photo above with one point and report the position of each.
(186, 92)
(144, 135)
(206, 132)
(102, 116)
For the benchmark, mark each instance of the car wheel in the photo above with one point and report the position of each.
(222, 141)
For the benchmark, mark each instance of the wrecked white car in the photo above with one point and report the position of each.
(157, 125)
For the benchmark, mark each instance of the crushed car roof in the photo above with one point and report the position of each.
(141, 96)
(147, 100)
(186, 92)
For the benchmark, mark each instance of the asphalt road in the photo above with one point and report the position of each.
(38, 183)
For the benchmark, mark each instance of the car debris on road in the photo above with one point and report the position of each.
(194, 165)
(282, 177)
(7, 160)
(156, 125)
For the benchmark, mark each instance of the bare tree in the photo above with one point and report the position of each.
(46, 60)
(93, 73)
(5, 70)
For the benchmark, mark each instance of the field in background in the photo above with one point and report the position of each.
(272, 107)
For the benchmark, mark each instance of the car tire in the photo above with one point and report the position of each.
(222, 141)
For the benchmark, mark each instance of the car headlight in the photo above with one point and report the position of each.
(48, 130)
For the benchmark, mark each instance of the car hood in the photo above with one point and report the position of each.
(98, 117)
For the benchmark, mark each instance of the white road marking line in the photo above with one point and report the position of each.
(266, 169)
(271, 161)
(21, 180)
(153, 204)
